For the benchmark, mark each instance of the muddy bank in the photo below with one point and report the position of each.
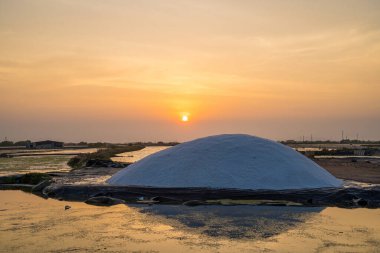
(365, 170)
(103, 194)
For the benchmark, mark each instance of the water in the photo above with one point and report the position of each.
(26, 161)
(27, 164)
(303, 149)
(131, 157)
(32, 224)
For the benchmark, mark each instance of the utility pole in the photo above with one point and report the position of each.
(311, 137)
(342, 135)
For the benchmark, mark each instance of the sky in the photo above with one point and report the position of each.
(126, 70)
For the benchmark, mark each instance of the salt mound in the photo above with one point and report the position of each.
(227, 161)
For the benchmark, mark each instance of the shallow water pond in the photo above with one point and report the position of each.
(27, 164)
(32, 224)
(39, 161)
(131, 157)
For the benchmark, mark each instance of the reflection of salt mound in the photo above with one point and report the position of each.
(235, 222)
(227, 161)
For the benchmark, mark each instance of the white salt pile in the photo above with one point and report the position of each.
(227, 161)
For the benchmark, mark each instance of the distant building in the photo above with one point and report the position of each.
(45, 144)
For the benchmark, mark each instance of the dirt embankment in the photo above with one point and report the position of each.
(101, 158)
(362, 170)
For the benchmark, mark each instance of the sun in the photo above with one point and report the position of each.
(185, 118)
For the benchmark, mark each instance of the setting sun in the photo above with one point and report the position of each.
(185, 118)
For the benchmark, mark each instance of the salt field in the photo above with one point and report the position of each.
(29, 160)
(28, 164)
(33, 224)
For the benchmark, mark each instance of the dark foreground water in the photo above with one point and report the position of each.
(32, 224)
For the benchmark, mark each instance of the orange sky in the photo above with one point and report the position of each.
(128, 70)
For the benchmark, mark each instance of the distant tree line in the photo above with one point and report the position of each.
(110, 145)
(11, 143)
(346, 141)
(343, 152)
